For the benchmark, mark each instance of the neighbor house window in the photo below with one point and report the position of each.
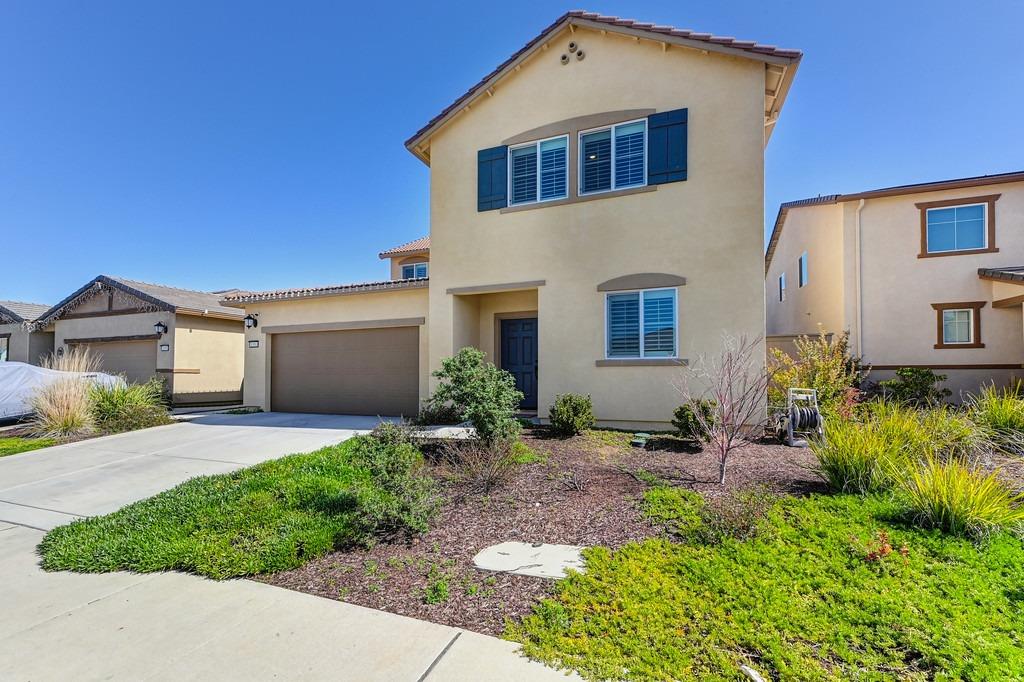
(803, 269)
(641, 324)
(539, 171)
(5, 342)
(613, 158)
(414, 271)
(958, 324)
(782, 287)
(958, 226)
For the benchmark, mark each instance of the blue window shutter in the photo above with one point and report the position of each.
(666, 147)
(492, 178)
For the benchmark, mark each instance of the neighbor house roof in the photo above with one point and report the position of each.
(1013, 274)
(898, 190)
(783, 58)
(18, 311)
(159, 296)
(314, 292)
(415, 246)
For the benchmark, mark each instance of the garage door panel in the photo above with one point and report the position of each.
(135, 360)
(359, 371)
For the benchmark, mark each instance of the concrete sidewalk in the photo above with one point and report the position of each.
(173, 626)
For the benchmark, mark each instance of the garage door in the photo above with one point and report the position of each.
(358, 371)
(135, 360)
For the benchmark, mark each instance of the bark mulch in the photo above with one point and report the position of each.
(581, 491)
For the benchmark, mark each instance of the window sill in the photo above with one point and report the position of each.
(579, 199)
(643, 362)
(967, 252)
(948, 346)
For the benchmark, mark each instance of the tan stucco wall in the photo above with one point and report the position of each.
(818, 230)
(707, 229)
(396, 304)
(216, 348)
(18, 343)
(118, 325)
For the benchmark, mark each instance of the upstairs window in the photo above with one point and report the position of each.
(414, 271)
(803, 269)
(613, 158)
(956, 228)
(539, 171)
(641, 324)
(956, 326)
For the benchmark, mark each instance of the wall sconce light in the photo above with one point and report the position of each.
(160, 328)
(251, 321)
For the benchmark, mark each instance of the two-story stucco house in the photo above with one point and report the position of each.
(927, 275)
(596, 206)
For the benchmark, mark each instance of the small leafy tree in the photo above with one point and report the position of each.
(481, 393)
(916, 387)
(736, 382)
(571, 415)
(822, 364)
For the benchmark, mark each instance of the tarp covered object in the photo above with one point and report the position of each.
(19, 380)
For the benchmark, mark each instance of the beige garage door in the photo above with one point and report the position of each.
(135, 360)
(359, 371)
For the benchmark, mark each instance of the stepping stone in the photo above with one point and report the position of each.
(538, 560)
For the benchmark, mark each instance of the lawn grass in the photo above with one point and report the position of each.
(804, 600)
(15, 445)
(270, 517)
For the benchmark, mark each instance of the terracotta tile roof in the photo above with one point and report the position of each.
(314, 292)
(415, 246)
(1013, 274)
(162, 297)
(19, 311)
(583, 18)
(898, 190)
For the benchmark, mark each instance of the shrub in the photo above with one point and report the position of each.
(481, 393)
(823, 365)
(399, 495)
(437, 590)
(61, 409)
(437, 415)
(482, 465)
(687, 422)
(128, 407)
(915, 386)
(1001, 411)
(392, 433)
(959, 498)
(571, 415)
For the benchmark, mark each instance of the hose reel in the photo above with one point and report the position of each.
(801, 418)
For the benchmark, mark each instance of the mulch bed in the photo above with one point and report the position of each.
(536, 504)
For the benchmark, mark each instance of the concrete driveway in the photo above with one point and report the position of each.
(163, 626)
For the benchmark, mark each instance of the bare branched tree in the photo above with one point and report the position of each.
(736, 382)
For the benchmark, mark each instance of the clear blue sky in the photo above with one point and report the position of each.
(220, 144)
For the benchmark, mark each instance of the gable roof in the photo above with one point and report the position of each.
(19, 311)
(785, 59)
(898, 190)
(242, 297)
(159, 296)
(415, 246)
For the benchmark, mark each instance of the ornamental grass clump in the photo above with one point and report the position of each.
(960, 498)
(118, 408)
(1002, 411)
(61, 409)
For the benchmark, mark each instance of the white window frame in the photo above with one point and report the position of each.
(782, 288)
(984, 228)
(536, 145)
(971, 312)
(675, 335)
(426, 270)
(802, 267)
(579, 153)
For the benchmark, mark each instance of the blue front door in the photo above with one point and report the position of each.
(519, 357)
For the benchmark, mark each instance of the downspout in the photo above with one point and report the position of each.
(857, 286)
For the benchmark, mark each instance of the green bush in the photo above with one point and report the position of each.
(687, 424)
(823, 365)
(401, 496)
(960, 498)
(915, 386)
(1002, 411)
(571, 415)
(437, 415)
(481, 393)
(392, 433)
(126, 408)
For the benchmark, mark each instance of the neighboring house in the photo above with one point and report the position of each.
(596, 209)
(141, 330)
(927, 275)
(20, 341)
